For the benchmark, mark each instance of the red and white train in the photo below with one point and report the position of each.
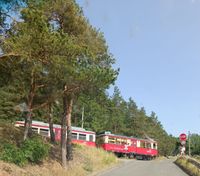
(120, 145)
(79, 135)
(129, 146)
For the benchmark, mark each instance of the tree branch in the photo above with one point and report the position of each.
(7, 15)
(5, 56)
(71, 89)
(40, 106)
(40, 86)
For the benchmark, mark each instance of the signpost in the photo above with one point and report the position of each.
(182, 138)
(189, 143)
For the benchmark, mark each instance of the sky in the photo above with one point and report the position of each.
(156, 44)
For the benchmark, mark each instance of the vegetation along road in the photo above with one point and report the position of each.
(164, 167)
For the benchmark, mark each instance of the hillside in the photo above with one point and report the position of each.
(60, 67)
(85, 162)
(85, 158)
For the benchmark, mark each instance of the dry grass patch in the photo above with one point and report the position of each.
(187, 166)
(96, 158)
(93, 159)
(197, 157)
(87, 160)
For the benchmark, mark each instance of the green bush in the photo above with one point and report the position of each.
(33, 150)
(10, 153)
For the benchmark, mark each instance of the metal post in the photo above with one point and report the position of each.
(82, 117)
(189, 142)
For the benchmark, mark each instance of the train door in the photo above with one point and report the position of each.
(57, 134)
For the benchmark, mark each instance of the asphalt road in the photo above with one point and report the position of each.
(164, 167)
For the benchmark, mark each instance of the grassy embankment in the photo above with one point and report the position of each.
(86, 161)
(197, 157)
(187, 166)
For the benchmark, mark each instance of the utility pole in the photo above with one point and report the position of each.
(82, 117)
(189, 142)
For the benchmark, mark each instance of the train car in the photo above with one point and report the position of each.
(127, 146)
(79, 135)
(118, 144)
(145, 148)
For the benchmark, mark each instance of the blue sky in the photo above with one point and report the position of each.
(156, 44)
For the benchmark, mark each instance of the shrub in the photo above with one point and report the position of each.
(10, 153)
(33, 150)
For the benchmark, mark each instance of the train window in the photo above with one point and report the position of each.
(44, 132)
(82, 137)
(154, 146)
(118, 141)
(35, 130)
(148, 145)
(74, 135)
(142, 144)
(124, 141)
(129, 142)
(111, 140)
(91, 138)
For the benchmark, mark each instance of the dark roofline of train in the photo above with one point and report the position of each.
(108, 133)
(43, 124)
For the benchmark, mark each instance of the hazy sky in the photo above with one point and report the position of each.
(156, 44)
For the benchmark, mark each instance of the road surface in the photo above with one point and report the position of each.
(162, 167)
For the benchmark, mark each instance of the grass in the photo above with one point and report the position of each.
(197, 157)
(14, 150)
(187, 166)
(93, 159)
(87, 160)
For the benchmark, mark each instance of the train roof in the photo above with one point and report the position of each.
(114, 135)
(108, 133)
(40, 123)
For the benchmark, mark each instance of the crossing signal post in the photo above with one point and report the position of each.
(182, 138)
(189, 142)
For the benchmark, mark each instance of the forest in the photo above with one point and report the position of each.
(57, 68)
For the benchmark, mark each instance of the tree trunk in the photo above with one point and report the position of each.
(27, 125)
(63, 132)
(52, 134)
(69, 128)
(28, 119)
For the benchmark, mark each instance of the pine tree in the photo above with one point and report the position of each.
(87, 66)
